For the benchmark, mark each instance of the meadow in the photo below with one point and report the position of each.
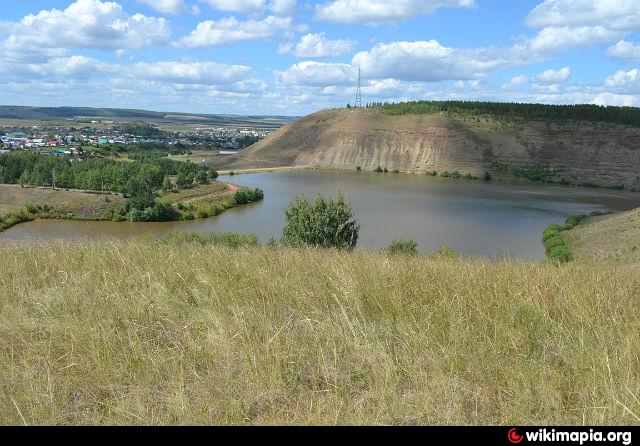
(174, 332)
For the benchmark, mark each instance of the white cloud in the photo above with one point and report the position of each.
(515, 82)
(555, 39)
(359, 12)
(317, 74)
(625, 50)
(228, 31)
(175, 7)
(620, 15)
(620, 100)
(554, 77)
(58, 68)
(203, 73)
(244, 6)
(88, 24)
(622, 78)
(285, 8)
(317, 45)
(429, 61)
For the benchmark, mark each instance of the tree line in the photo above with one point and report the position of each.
(97, 174)
(580, 112)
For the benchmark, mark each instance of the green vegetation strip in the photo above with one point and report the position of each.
(583, 112)
(554, 242)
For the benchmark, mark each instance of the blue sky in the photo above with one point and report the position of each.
(294, 57)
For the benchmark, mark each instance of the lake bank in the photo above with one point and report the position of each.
(477, 218)
(20, 204)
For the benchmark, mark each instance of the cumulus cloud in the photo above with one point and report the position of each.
(317, 46)
(244, 6)
(285, 8)
(317, 74)
(230, 30)
(620, 15)
(555, 39)
(175, 7)
(203, 73)
(625, 50)
(371, 12)
(622, 78)
(429, 61)
(515, 82)
(278, 7)
(553, 77)
(88, 24)
(620, 100)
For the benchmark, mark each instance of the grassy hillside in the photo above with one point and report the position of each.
(612, 238)
(508, 147)
(152, 333)
(49, 113)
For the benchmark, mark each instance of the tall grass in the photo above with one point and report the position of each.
(146, 332)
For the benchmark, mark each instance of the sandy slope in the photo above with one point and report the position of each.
(601, 153)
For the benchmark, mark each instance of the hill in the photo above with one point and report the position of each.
(611, 237)
(147, 332)
(593, 150)
(52, 113)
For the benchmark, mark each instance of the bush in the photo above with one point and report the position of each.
(157, 212)
(487, 176)
(358, 168)
(396, 170)
(244, 196)
(32, 209)
(402, 247)
(446, 252)
(432, 173)
(379, 169)
(325, 223)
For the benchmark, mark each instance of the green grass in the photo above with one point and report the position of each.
(147, 332)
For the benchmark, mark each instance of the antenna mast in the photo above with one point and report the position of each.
(358, 92)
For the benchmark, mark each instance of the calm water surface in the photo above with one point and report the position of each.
(476, 218)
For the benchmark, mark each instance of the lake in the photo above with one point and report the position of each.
(477, 218)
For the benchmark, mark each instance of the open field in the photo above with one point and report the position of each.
(612, 238)
(83, 205)
(152, 333)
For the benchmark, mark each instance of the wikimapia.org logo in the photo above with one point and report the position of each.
(580, 437)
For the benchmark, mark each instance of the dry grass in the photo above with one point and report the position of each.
(150, 333)
(610, 238)
(211, 190)
(83, 205)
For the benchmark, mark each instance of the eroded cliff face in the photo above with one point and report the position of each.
(583, 152)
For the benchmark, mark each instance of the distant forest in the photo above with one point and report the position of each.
(94, 174)
(583, 112)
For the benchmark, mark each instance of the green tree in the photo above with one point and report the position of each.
(184, 180)
(202, 177)
(325, 223)
(167, 185)
(140, 194)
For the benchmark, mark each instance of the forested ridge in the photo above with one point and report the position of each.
(580, 112)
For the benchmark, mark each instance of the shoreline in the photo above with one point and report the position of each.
(23, 215)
